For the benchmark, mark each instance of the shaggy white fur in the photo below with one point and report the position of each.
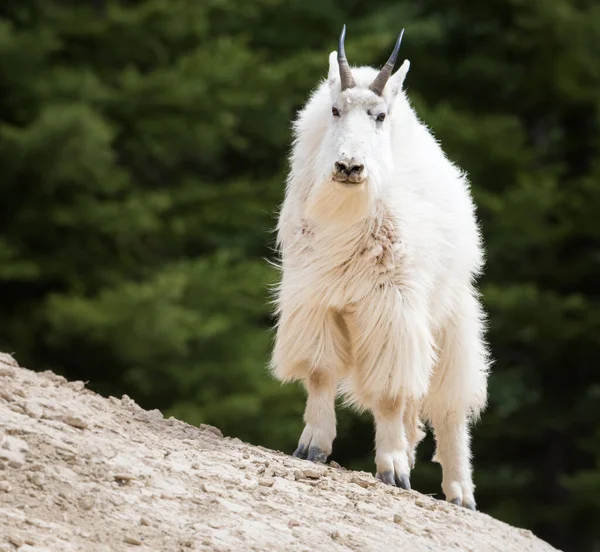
(376, 300)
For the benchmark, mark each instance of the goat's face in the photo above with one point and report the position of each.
(357, 146)
(358, 140)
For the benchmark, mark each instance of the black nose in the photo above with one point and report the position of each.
(355, 168)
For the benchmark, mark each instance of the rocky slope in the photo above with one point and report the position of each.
(86, 473)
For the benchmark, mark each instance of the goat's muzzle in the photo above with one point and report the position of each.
(350, 172)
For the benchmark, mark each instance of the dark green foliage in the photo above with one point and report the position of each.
(143, 150)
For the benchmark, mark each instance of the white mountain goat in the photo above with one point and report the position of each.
(379, 251)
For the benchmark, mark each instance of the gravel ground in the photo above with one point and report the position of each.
(87, 473)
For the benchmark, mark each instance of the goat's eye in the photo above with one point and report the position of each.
(381, 117)
(335, 111)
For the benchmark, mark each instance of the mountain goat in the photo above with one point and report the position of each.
(379, 249)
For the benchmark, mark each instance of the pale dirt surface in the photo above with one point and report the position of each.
(86, 473)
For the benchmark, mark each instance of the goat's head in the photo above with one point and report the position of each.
(358, 141)
(347, 135)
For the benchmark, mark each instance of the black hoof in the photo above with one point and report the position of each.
(455, 501)
(470, 506)
(387, 477)
(300, 452)
(403, 482)
(315, 454)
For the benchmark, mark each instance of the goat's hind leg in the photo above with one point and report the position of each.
(457, 395)
(453, 453)
(413, 428)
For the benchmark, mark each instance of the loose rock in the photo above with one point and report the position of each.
(77, 385)
(266, 481)
(16, 540)
(75, 421)
(363, 482)
(214, 430)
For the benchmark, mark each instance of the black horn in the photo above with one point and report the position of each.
(381, 79)
(345, 73)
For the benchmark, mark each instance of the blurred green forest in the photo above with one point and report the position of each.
(143, 154)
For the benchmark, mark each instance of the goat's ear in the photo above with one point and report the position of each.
(334, 69)
(397, 79)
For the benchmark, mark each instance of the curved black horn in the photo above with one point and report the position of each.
(345, 73)
(381, 79)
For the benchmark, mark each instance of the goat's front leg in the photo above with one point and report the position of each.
(312, 345)
(391, 445)
(394, 352)
(319, 432)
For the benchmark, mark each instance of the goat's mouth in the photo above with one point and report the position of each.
(349, 180)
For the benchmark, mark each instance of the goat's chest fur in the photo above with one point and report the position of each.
(336, 266)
